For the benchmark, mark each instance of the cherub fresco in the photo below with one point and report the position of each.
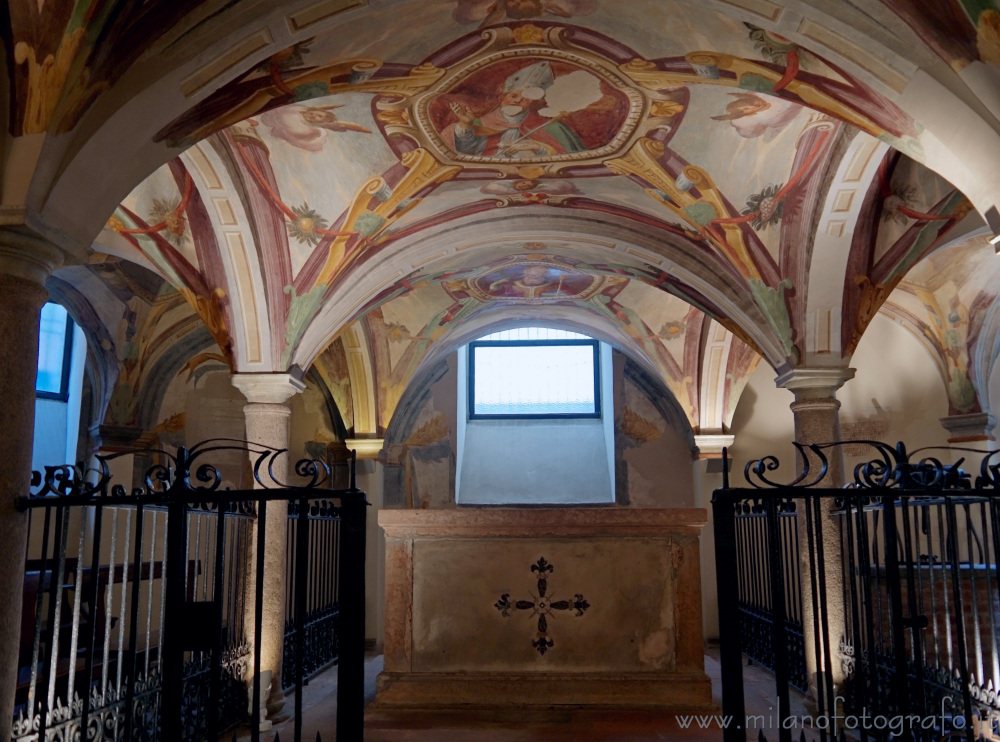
(307, 127)
(755, 115)
(528, 108)
(488, 12)
(533, 281)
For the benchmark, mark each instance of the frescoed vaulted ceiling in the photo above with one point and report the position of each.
(703, 184)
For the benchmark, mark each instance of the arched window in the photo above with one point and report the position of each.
(55, 350)
(534, 372)
(535, 419)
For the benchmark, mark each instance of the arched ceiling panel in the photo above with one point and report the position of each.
(689, 144)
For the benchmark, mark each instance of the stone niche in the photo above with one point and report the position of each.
(543, 607)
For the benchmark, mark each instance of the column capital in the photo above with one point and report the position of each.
(276, 388)
(366, 448)
(975, 426)
(814, 383)
(710, 445)
(26, 255)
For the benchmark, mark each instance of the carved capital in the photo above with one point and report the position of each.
(26, 255)
(268, 388)
(815, 383)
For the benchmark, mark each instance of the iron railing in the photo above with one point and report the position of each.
(900, 586)
(317, 604)
(753, 578)
(136, 623)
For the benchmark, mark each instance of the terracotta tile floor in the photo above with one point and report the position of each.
(319, 716)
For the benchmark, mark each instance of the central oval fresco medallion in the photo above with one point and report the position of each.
(535, 107)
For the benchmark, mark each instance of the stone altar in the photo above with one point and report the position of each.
(499, 607)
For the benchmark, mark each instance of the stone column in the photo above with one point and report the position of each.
(267, 423)
(25, 263)
(816, 411)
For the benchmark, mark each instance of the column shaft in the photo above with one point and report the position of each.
(267, 417)
(19, 316)
(816, 412)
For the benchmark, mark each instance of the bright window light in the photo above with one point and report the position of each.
(54, 344)
(534, 372)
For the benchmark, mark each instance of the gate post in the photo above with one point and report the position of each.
(351, 670)
(730, 651)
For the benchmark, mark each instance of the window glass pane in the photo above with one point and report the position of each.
(534, 380)
(51, 349)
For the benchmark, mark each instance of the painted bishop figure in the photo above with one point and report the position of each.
(514, 129)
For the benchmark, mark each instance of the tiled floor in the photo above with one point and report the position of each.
(320, 711)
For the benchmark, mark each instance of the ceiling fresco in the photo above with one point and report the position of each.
(947, 301)
(355, 201)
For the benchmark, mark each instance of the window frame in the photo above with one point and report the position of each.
(67, 359)
(471, 381)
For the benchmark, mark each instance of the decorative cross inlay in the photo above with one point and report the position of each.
(542, 605)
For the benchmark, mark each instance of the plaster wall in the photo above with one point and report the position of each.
(535, 461)
(554, 462)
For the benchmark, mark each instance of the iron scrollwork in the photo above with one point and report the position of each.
(891, 467)
(173, 472)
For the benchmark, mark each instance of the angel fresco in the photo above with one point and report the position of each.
(488, 12)
(755, 115)
(307, 127)
(528, 109)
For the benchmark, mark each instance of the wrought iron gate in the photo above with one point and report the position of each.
(756, 611)
(136, 621)
(902, 587)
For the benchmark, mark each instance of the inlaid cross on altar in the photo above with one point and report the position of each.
(541, 605)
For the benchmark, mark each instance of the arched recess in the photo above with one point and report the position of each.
(653, 437)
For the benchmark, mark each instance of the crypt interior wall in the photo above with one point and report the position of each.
(653, 442)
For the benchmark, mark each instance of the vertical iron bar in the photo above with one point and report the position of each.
(913, 604)
(973, 592)
(51, 633)
(108, 596)
(173, 626)
(943, 543)
(215, 693)
(37, 642)
(963, 656)
(859, 625)
(258, 619)
(778, 630)
(133, 621)
(899, 683)
(301, 585)
(149, 594)
(95, 558)
(994, 569)
(351, 673)
(730, 651)
(865, 564)
(818, 642)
